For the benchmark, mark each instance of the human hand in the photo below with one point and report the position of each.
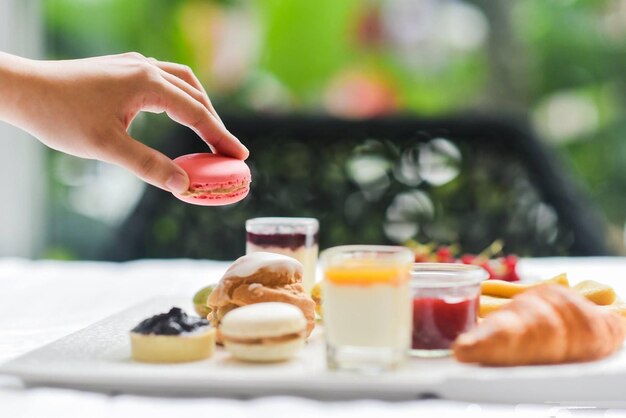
(85, 107)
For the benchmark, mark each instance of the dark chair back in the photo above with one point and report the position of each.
(468, 181)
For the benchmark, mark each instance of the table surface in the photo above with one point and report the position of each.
(41, 301)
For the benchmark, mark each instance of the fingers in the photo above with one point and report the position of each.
(190, 90)
(185, 74)
(185, 109)
(180, 94)
(148, 164)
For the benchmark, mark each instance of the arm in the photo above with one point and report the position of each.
(84, 108)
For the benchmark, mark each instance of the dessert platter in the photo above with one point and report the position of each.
(259, 332)
(388, 322)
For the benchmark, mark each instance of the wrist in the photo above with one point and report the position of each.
(16, 82)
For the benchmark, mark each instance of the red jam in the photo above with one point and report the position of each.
(291, 241)
(437, 322)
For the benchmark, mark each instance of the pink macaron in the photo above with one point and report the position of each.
(214, 180)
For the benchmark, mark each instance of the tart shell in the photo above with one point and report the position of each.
(151, 348)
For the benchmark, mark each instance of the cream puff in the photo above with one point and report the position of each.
(261, 277)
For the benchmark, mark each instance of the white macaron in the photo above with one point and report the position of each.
(264, 332)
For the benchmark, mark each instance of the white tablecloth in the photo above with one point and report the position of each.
(41, 301)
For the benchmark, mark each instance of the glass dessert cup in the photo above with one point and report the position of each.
(445, 304)
(294, 237)
(367, 307)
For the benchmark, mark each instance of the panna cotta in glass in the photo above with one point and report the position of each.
(294, 237)
(367, 307)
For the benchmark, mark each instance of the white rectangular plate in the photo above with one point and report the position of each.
(98, 358)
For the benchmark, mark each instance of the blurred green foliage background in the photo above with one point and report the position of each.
(560, 63)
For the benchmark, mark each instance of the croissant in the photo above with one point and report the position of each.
(549, 324)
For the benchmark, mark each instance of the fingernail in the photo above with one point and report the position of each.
(177, 183)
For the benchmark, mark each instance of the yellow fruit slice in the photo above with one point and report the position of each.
(489, 304)
(618, 306)
(316, 295)
(503, 289)
(598, 293)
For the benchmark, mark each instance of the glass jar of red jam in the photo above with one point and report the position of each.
(445, 305)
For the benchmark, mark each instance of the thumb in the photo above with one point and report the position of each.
(149, 165)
